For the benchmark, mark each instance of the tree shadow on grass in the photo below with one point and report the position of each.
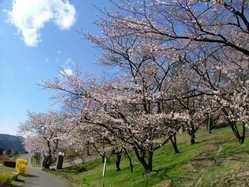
(163, 171)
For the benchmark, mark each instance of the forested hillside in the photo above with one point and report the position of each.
(10, 142)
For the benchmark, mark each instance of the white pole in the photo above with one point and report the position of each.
(104, 168)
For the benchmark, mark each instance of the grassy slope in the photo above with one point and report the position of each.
(6, 174)
(216, 160)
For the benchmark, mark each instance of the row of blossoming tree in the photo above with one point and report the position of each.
(182, 65)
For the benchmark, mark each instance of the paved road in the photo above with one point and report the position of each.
(38, 178)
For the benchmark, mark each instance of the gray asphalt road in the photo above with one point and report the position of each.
(38, 178)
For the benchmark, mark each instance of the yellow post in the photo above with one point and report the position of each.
(21, 166)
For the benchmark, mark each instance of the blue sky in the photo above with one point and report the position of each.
(24, 64)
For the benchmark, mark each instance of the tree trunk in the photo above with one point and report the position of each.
(47, 161)
(191, 132)
(129, 158)
(88, 148)
(210, 123)
(192, 141)
(118, 160)
(150, 161)
(174, 144)
(243, 133)
(240, 137)
(147, 164)
(192, 136)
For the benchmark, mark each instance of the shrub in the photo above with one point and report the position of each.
(8, 152)
(9, 163)
(3, 158)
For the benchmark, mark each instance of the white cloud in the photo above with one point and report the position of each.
(67, 72)
(30, 16)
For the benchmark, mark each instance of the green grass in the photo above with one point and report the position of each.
(6, 174)
(216, 159)
(7, 177)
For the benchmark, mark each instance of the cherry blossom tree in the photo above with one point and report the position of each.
(46, 133)
(180, 62)
(223, 23)
(124, 110)
(210, 36)
(85, 136)
(224, 81)
(145, 61)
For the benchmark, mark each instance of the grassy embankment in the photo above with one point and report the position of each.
(216, 160)
(7, 177)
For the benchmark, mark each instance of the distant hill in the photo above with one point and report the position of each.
(15, 143)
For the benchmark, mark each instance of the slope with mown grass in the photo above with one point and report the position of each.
(216, 159)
